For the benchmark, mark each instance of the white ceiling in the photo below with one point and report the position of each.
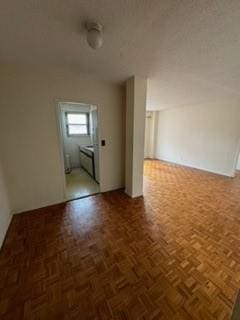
(189, 50)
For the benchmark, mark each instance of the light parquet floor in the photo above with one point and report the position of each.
(174, 254)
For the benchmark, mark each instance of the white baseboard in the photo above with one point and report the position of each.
(229, 175)
(39, 206)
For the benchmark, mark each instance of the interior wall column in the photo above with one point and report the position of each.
(136, 88)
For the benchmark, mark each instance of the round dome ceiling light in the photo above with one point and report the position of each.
(94, 35)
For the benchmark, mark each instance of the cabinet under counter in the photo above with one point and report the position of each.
(87, 159)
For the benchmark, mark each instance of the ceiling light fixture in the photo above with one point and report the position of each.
(94, 35)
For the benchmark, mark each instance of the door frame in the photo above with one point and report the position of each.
(60, 141)
(234, 170)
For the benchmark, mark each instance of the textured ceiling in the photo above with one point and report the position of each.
(189, 50)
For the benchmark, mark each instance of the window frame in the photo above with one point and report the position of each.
(77, 124)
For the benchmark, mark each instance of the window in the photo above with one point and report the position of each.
(77, 123)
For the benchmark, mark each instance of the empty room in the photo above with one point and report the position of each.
(119, 160)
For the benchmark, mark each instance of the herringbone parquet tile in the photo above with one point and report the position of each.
(174, 254)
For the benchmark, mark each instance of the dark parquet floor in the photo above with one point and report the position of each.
(173, 254)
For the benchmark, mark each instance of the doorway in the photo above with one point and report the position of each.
(79, 138)
(150, 134)
(147, 143)
(237, 167)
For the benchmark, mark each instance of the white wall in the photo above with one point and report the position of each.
(5, 215)
(29, 132)
(70, 143)
(204, 136)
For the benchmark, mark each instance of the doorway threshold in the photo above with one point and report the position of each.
(85, 196)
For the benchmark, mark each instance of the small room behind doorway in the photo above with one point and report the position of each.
(79, 132)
